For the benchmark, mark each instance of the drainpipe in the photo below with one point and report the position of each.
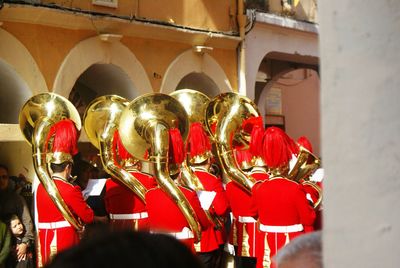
(241, 18)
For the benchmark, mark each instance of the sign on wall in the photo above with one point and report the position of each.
(274, 101)
(106, 3)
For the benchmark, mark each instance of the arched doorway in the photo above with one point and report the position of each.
(199, 82)
(189, 67)
(99, 80)
(287, 93)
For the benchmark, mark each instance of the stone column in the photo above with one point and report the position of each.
(360, 116)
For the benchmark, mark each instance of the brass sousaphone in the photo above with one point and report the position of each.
(144, 127)
(194, 103)
(226, 112)
(36, 118)
(101, 120)
(307, 163)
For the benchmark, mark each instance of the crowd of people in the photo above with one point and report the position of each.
(116, 226)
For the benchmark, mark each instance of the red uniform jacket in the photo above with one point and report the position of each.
(165, 215)
(120, 201)
(212, 238)
(55, 233)
(281, 203)
(244, 232)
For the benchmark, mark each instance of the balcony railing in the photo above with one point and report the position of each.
(303, 10)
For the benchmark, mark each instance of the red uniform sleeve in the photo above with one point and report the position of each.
(306, 211)
(220, 203)
(253, 208)
(201, 215)
(75, 202)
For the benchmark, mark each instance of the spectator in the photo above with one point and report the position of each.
(127, 249)
(304, 251)
(5, 240)
(17, 232)
(12, 203)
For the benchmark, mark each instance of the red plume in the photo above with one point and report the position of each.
(303, 141)
(249, 123)
(122, 152)
(65, 137)
(176, 146)
(243, 158)
(256, 140)
(198, 142)
(276, 147)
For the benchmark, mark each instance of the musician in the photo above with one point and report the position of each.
(164, 214)
(281, 205)
(312, 193)
(126, 210)
(55, 233)
(259, 170)
(244, 225)
(209, 249)
(244, 228)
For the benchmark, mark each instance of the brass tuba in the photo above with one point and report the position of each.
(227, 112)
(144, 127)
(36, 118)
(194, 103)
(306, 164)
(100, 122)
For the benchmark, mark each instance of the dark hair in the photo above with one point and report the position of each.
(127, 249)
(11, 217)
(4, 167)
(306, 247)
(56, 168)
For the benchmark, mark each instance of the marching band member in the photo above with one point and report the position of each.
(312, 193)
(209, 249)
(164, 214)
(281, 204)
(259, 170)
(126, 210)
(55, 233)
(244, 229)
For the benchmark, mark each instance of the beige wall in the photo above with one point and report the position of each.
(47, 45)
(50, 45)
(301, 108)
(221, 14)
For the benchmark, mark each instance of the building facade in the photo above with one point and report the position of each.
(85, 49)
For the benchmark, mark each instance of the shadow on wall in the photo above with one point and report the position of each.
(199, 82)
(14, 93)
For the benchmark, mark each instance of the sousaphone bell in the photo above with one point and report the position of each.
(36, 118)
(224, 117)
(101, 120)
(144, 127)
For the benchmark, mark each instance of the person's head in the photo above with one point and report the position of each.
(305, 142)
(304, 251)
(83, 172)
(198, 145)
(176, 153)
(64, 167)
(127, 249)
(277, 150)
(16, 226)
(122, 157)
(4, 178)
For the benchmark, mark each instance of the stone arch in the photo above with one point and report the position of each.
(299, 94)
(22, 62)
(95, 51)
(191, 62)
